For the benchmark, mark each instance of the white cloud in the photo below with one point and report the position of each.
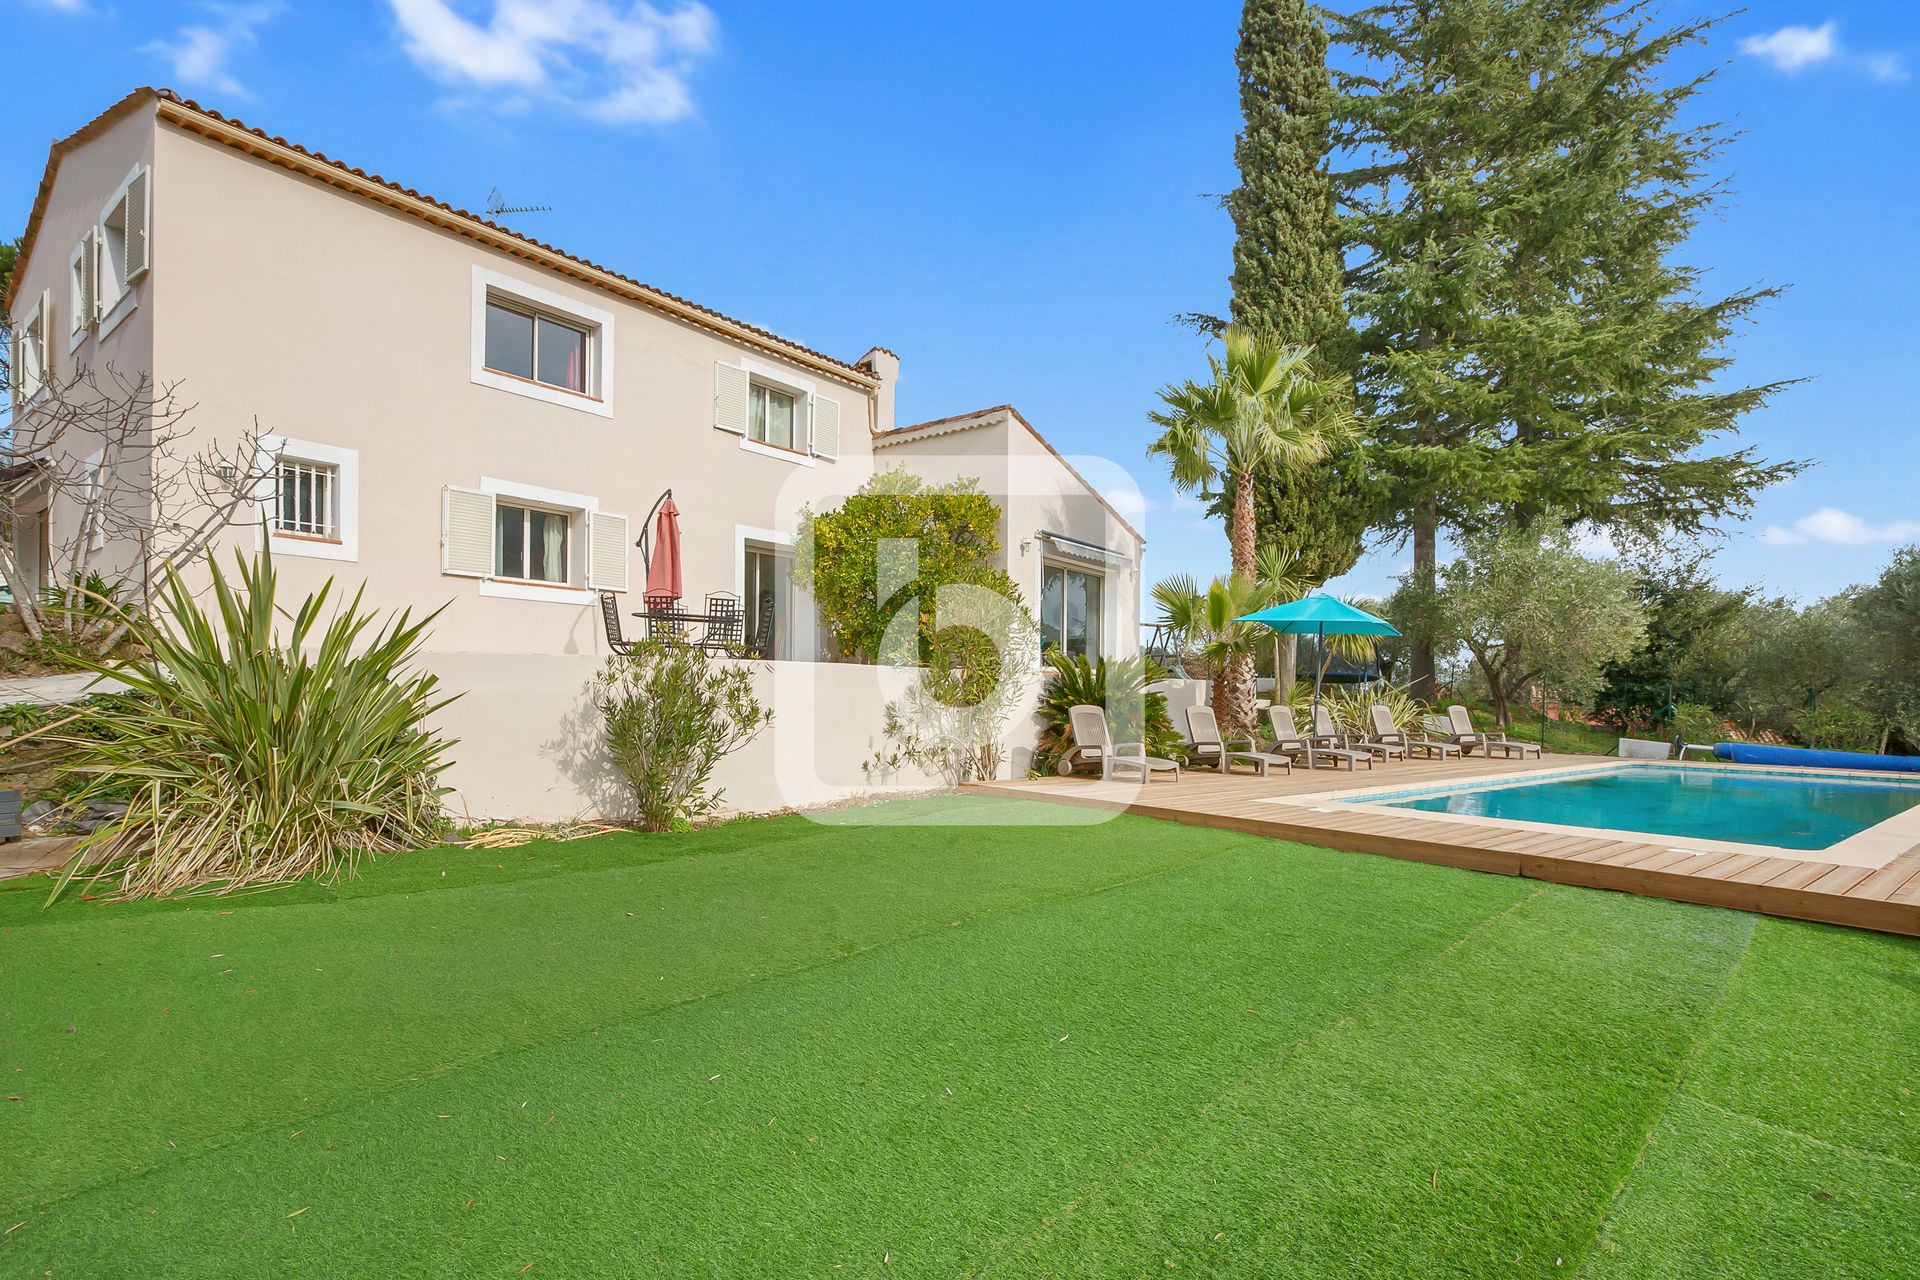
(66, 6)
(1890, 67)
(200, 52)
(619, 64)
(1840, 528)
(1792, 49)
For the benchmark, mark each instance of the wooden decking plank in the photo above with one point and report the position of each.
(1886, 881)
(1767, 871)
(1885, 898)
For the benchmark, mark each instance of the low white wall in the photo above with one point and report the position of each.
(531, 745)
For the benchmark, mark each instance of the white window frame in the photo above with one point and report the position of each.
(579, 508)
(809, 633)
(346, 469)
(802, 390)
(111, 266)
(524, 295)
(1102, 571)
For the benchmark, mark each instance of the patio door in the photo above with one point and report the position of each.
(782, 621)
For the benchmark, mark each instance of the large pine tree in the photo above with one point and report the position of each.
(1527, 342)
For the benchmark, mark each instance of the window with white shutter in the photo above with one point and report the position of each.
(466, 532)
(826, 428)
(730, 392)
(32, 352)
(607, 548)
(123, 248)
(83, 286)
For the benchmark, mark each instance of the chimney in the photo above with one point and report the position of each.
(884, 365)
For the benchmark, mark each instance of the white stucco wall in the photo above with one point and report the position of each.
(531, 746)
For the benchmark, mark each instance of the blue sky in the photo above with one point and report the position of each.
(1014, 196)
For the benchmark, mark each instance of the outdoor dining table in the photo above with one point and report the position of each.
(679, 619)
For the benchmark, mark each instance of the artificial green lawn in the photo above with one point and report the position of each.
(950, 1044)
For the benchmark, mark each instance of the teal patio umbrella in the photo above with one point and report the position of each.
(1320, 616)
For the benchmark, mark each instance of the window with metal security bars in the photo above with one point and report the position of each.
(308, 503)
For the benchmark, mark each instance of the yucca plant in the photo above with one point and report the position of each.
(248, 753)
(1133, 713)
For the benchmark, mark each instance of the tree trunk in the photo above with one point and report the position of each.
(1425, 567)
(1286, 667)
(1240, 534)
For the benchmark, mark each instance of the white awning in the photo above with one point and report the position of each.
(1079, 549)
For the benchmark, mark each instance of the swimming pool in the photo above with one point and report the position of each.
(1801, 810)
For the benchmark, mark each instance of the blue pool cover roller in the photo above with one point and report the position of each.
(1801, 757)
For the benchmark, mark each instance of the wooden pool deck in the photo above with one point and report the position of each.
(1886, 898)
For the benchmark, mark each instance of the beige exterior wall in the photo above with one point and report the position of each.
(1039, 494)
(336, 322)
(123, 343)
(310, 314)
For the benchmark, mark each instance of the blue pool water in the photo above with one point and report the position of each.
(1797, 811)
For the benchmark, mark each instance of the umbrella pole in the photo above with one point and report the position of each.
(1319, 670)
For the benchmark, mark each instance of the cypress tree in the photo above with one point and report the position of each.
(1287, 269)
(1527, 343)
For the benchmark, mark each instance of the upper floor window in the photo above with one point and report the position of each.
(121, 247)
(541, 344)
(770, 415)
(523, 344)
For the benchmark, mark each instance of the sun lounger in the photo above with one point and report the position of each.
(1289, 741)
(1386, 732)
(1209, 747)
(1466, 737)
(1093, 744)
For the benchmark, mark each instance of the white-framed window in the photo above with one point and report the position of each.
(775, 412)
(32, 351)
(1072, 609)
(772, 414)
(123, 248)
(532, 543)
(310, 498)
(306, 499)
(541, 344)
(526, 542)
(782, 619)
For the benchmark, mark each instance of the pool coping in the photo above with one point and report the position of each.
(1873, 848)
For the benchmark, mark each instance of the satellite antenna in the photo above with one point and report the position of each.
(497, 205)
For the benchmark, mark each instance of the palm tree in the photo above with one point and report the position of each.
(1213, 645)
(1266, 405)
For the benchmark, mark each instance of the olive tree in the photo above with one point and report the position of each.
(1531, 610)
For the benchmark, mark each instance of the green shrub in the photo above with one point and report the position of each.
(671, 715)
(1696, 723)
(1120, 685)
(1839, 727)
(247, 756)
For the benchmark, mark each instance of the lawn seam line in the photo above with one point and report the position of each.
(266, 1127)
(1801, 1135)
(1677, 1090)
(1265, 1070)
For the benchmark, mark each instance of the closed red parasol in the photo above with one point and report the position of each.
(663, 567)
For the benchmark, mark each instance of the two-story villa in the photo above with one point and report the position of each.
(458, 414)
